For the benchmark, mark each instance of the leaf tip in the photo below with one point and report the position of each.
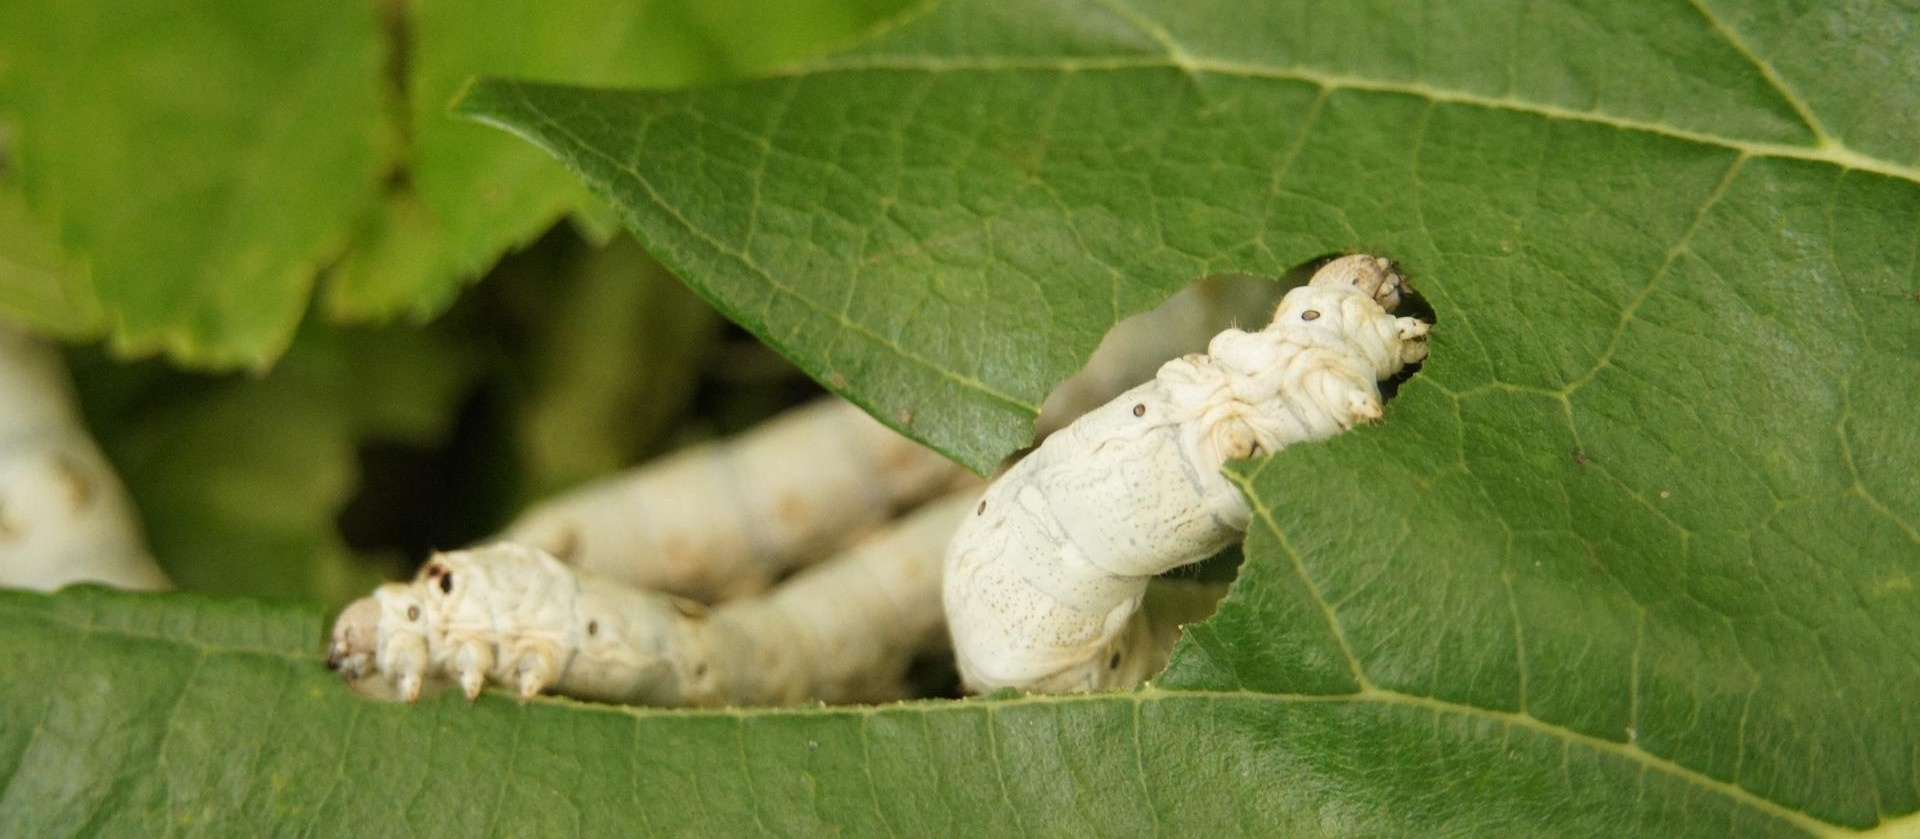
(487, 100)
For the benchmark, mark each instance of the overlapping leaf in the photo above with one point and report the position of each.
(471, 194)
(196, 168)
(229, 698)
(203, 159)
(1625, 503)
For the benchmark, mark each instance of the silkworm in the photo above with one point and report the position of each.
(1044, 582)
(842, 631)
(64, 516)
(721, 520)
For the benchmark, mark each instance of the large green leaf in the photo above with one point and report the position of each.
(182, 716)
(1653, 492)
(948, 218)
(1635, 553)
(201, 158)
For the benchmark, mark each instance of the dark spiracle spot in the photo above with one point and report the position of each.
(593, 627)
(1140, 410)
(446, 583)
(1114, 662)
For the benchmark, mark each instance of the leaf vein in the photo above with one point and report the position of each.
(1767, 71)
(1627, 313)
(1265, 515)
(1833, 153)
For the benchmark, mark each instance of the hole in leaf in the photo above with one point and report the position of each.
(1133, 351)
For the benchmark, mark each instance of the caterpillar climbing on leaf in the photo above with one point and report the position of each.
(1044, 583)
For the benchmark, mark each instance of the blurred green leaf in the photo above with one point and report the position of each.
(402, 385)
(207, 161)
(240, 479)
(202, 158)
(473, 194)
(38, 283)
(613, 370)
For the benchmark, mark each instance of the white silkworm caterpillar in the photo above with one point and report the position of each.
(843, 631)
(722, 520)
(1044, 582)
(64, 517)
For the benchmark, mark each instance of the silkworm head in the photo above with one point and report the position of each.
(1375, 275)
(355, 633)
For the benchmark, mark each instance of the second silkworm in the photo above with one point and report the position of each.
(726, 519)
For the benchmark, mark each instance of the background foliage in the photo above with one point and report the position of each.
(138, 174)
(1635, 553)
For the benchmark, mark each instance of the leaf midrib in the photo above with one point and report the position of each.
(1907, 825)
